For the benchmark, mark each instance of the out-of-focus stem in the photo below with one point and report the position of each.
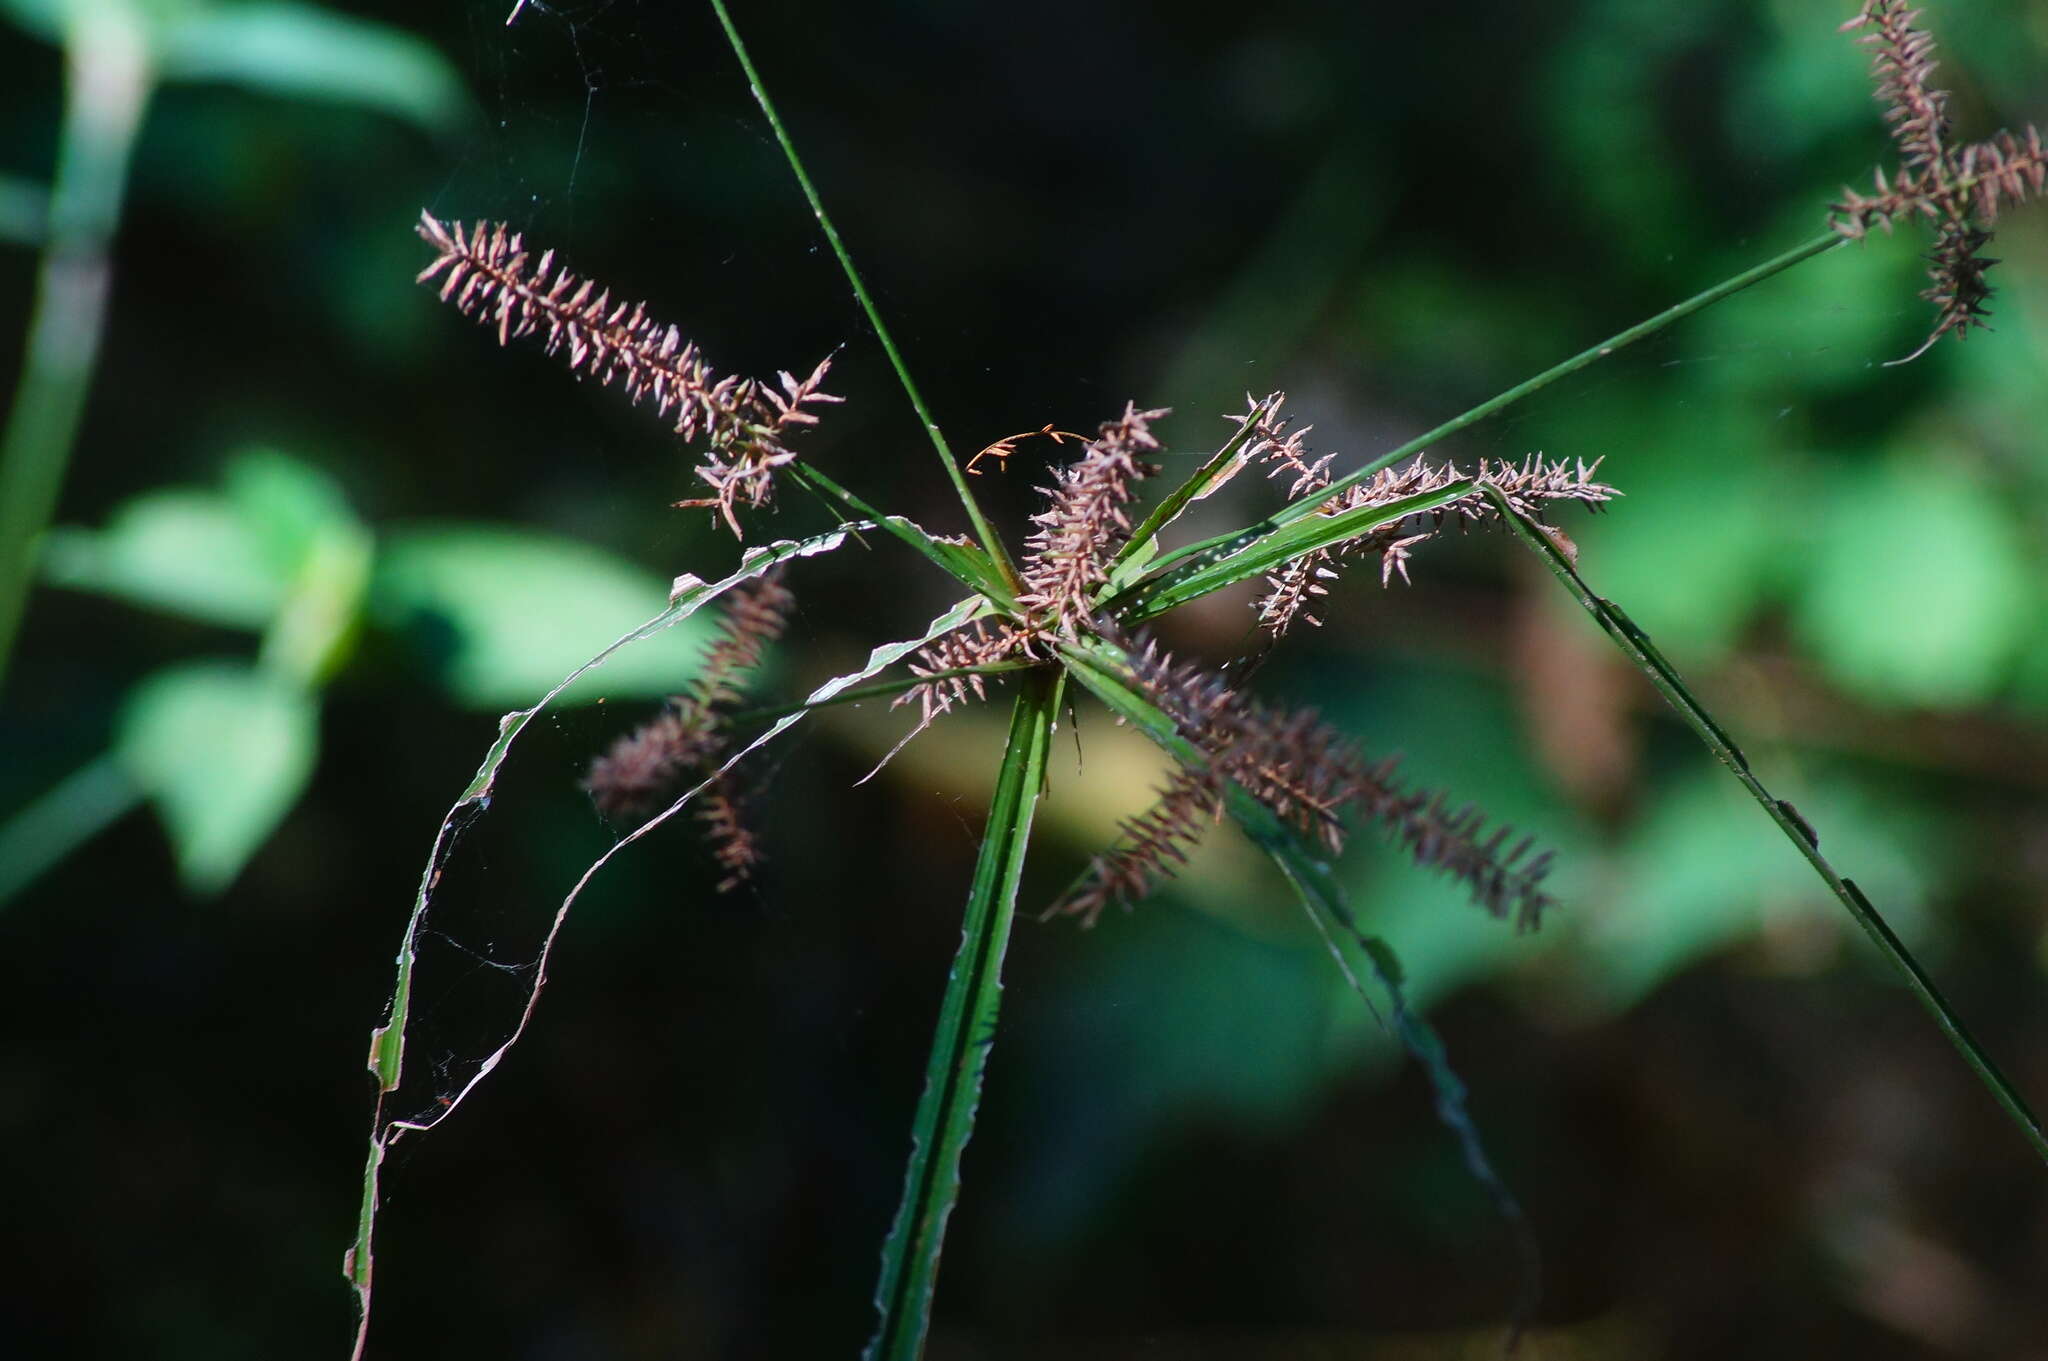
(108, 84)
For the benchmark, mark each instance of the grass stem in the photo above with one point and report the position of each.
(1637, 646)
(982, 529)
(107, 87)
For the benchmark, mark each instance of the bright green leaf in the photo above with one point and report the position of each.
(1698, 877)
(1917, 591)
(307, 52)
(507, 613)
(185, 552)
(224, 751)
(288, 506)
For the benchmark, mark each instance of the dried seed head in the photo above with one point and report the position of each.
(1085, 523)
(1530, 486)
(1953, 189)
(1150, 847)
(982, 643)
(1902, 61)
(732, 844)
(1309, 776)
(487, 273)
(757, 612)
(647, 768)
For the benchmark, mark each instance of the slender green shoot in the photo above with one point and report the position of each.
(966, 1030)
(84, 804)
(982, 529)
(108, 82)
(1636, 645)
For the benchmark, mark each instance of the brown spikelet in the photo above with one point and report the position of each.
(1151, 846)
(982, 643)
(755, 617)
(687, 741)
(645, 768)
(732, 844)
(487, 272)
(1959, 292)
(1309, 776)
(1531, 486)
(1902, 62)
(1953, 189)
(1085, 523)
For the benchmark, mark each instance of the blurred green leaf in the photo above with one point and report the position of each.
(316, 627)
(1917, 591)
(224, 751)
(308, 52)
(287, 506)
(185, 552)
(44, 18)
(510, 612)
(283, 529)
(24, 211)
(1702, 872)
(303, 524)
(1719, 454)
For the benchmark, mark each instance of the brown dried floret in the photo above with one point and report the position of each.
(1309, 776)
(687, 741)
(1085, 523)
(1957, 190)
(1531, 487)
(486, 271)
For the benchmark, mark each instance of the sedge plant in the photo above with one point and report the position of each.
(1062, 613)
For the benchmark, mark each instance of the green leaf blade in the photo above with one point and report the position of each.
(960, 1045)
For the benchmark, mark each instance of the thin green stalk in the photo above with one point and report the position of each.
(982, 529)
(1309, 504)
(1652, 663)
(107, 89)
(966, 1030)
(83, 804)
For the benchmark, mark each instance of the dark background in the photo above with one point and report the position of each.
(1732, 1131)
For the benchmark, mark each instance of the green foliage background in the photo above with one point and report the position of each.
(1730, 1129)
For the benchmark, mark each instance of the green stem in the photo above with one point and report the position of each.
(107, 91)
(108, 84)
(1652, 663)
(1309, 504)
(982, 528)
(84, 804)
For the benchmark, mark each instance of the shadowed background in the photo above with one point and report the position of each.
(1730, 1129)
